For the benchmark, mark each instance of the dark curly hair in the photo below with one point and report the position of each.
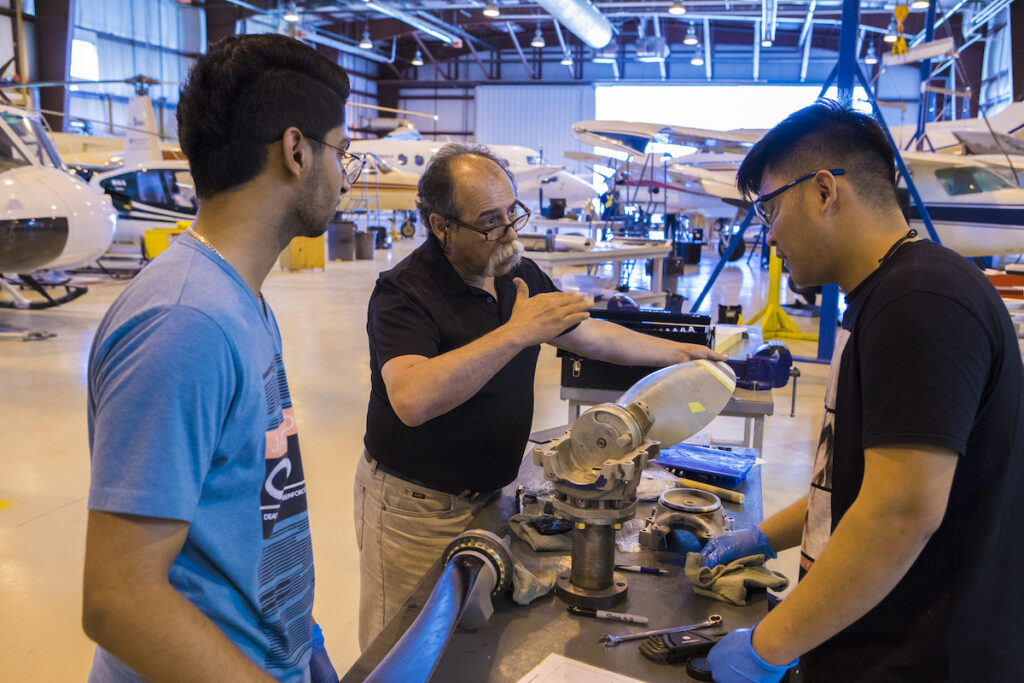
(243, 94)
(435, 190)
(825, 135)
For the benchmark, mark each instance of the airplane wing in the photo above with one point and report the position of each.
(591, 158)
(632, 137)
(989, 143)
(524, 173)
(717, 183)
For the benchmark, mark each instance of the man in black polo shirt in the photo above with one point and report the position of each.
(454, 334)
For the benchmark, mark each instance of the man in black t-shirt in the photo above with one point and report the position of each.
(454, 333)
(910, 535)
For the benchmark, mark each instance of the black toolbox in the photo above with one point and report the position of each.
(584, 373)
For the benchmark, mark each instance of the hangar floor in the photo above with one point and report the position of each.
(45, 457)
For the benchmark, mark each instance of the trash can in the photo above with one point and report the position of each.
(381, 237)
(341, 244)
(364, 245)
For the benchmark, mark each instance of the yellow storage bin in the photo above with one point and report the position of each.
(304, 253)
(156, 240)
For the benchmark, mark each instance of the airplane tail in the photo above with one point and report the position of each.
(141, 144)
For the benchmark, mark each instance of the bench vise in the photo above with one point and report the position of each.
(766, 368)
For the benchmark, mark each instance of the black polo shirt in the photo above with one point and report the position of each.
(422, 307)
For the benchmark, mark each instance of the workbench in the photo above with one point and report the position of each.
(517, 638)
(752, 406)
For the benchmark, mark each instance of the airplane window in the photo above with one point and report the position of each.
(419, 160)
(32, 134)
(183, 191)
(10, 156)
(402, 160)
(959, 180)
(151, 188)
(532, 160)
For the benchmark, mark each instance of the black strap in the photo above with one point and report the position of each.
(911, 234)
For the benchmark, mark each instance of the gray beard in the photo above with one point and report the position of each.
(503, 253)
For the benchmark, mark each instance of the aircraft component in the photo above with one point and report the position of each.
(596, 467)
(766, 368)
(478, 567)
(699, 512)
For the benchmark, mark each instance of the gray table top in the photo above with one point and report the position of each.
(517, 638)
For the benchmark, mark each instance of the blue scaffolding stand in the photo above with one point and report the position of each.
(843, 75)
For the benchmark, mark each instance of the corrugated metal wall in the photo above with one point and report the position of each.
(535, 116)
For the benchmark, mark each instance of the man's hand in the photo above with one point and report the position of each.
(543, 317)
(732, 545)
(733, 660)
(688, 352)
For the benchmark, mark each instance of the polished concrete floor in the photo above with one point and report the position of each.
(45, 461)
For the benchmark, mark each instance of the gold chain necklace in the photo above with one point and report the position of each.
(206, 243)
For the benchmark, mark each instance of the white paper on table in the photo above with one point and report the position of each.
(558, 669)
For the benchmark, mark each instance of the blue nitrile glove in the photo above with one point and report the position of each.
(733, 660)
(320, 668)
(732, 545)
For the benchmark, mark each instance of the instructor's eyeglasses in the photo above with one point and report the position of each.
(493, 229)
(759, 203)
(351, 164)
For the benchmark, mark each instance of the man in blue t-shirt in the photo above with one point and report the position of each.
(198, 560)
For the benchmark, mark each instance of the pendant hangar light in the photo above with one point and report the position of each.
(417, 60)
(491, 10)
(691, 35)
(538, 38)
(291, 14)
(919, 4)
(871, 57)
(890, 32)
(698, 58)
(677, 9)
(366, 43)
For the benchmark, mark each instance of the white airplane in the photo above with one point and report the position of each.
(534, 178)
(50, 219)
(975, 210)
(941, 136)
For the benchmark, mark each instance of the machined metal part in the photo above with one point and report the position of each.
(699, 512)
(610, 640)
(592, 580)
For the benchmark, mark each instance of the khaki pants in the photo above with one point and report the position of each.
(401, 530)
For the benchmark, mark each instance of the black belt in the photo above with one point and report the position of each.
(450, 490)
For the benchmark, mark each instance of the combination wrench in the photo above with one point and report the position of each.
(611, 641)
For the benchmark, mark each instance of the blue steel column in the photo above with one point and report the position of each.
(845, 74)
(926, 69)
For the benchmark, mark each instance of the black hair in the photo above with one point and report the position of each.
(436, 191)
(825, 135)
(243, 94)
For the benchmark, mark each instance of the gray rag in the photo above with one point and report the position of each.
(520, 525)
(527, 586)
(729, 582)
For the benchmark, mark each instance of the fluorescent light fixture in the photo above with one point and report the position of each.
(676, 9)
(919, 4)
(415, 22)
(651, 49)
(366, 43)
(871, 57)
(538, 39)
(491, 10)
(291, 14)
(691, 35)
(607, 54)
(418, 59)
